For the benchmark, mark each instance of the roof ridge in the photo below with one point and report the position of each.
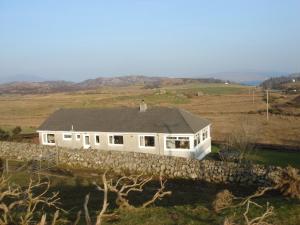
(114, 107)
(160, 119)
(180, 112)
(192, 115)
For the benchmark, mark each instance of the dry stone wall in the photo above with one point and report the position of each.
(168, 166)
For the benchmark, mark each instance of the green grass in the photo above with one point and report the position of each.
(151, 99)
(278, 158)
(268, 157)
(177, 95)
(212, 89)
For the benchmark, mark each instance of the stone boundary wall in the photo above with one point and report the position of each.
(168, 166)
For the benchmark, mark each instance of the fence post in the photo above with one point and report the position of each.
(6, 166)
(57, 155)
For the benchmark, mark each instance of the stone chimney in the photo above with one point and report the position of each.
(143, 106)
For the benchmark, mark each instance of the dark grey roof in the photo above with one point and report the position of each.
(154, 120)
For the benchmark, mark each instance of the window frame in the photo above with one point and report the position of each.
(146, 135)
(204, 133)
(95, 139)
(76, 137)
(67, 139)
(178, 137)
(198, 139)
(112, 135)
(45, 142)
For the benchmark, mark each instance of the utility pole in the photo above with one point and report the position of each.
(267, 104)
(253, 96)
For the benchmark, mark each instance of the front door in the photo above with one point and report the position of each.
(86, 141)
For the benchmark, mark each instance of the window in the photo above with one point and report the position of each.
(97, 139)
(49, 139)
(116, 139)
(67, 136)
(204, 134)
(77, 137)
(197, 139)
(147, 141)
(177, 143)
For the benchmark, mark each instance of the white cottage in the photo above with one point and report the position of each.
(156, 130)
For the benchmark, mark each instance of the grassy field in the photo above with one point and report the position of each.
(213, 89)
(226, 106)
(267, 157)
(190, 202)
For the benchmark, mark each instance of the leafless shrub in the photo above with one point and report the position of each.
(134, 183)
(20, 206)
(23, 206)
(160, 193)
(240, 142)
(289, 182)
(259, 220)
(124, 185)
(223, 200)
(227, 154)
(247, 203)
(229, 221)
(105, 201)
(102, 213)
(260, 192)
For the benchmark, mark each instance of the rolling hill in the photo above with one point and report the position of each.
(91, 84)
(289, 82)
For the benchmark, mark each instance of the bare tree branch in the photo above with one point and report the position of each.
(86, 210)
(105, 203)
(159, 194)
(247, 202)
(77, 218)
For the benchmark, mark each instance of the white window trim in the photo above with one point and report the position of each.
(67, 139)
(199, 133)
(77, 139)
(206, 129)
(115, 134)
(143, 135)
(95, 135)
(191, 140)
(83, 140)
(45, 142)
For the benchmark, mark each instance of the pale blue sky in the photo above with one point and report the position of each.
(75, 40)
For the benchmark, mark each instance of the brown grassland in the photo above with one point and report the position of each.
(226, 106)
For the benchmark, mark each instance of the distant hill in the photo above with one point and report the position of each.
(91, 84)
(36, 87)
(141, 80)
(126, 81)
(281, 83)
(21, 78)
